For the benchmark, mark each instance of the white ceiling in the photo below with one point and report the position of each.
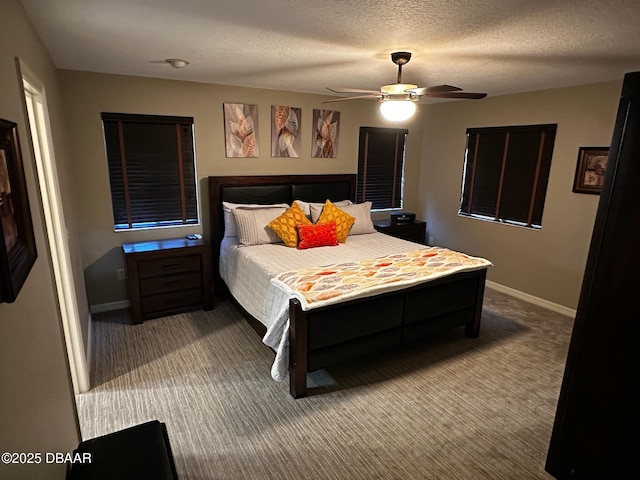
(493, 46)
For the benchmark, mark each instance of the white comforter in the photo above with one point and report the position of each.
(248, 271)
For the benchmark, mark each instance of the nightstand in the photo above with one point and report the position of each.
(167, 276)
(414, 231)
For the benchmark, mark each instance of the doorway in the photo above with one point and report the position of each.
(57, 235)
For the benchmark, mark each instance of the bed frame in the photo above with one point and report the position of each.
(336, 333)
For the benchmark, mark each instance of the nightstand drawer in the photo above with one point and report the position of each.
(164, 266)
(170, 283)
(171, 301)
(167, 276)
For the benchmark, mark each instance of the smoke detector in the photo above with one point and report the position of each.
(177, 62)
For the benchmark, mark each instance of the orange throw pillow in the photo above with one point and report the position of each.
(285, 224)
(318, 235)
(343, 221)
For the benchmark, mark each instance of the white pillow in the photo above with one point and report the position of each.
(253, 225)
(230, 229)
(362, 214)
(313, 210)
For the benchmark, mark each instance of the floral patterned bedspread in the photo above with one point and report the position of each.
(320, 286)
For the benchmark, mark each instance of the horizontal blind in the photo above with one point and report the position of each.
(506, 173)
(147, 186)
(381, 167)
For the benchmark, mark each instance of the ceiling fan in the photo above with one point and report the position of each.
(405, 91)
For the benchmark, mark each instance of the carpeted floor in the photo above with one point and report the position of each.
(452, 408)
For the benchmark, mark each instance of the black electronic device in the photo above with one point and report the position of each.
(403, 217)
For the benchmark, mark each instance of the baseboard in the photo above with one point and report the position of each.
(541, 302)
(108, 307)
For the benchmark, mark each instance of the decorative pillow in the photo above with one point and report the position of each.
(362, 213)
(230, 227)
(304, 206)
(318, 235)
(253, 224)
(343, 221)
(285, 225)
(313, 210)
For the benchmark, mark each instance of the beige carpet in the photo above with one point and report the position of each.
(453, 408)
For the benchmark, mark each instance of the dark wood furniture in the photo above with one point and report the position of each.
(324, 336)
(595, 434)
(167, 276)
(135, 453)
(413, 231)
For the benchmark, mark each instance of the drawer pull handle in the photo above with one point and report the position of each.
(169, 266)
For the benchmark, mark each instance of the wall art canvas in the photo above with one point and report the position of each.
(241, 130)
(326, 124)
(285, 131)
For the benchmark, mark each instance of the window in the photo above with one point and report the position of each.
(506, 170)
(151, 170)
(381, 167)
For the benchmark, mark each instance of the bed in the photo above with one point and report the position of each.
(307, 339)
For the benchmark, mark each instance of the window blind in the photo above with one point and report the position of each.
(380, 178)
(506, 173)
(151, 170)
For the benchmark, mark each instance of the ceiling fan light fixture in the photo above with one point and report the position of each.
(397, 98)
(397, 110)
(397, 88)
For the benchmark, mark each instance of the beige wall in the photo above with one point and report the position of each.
(548, 263)
(88, 94)
(37, 409)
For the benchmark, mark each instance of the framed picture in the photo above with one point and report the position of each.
(285, 131)
(17, 245)
(592, 163)
(326, 124)
(241, 130)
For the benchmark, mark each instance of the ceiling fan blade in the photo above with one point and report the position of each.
(434, 89)
(468, 95)
(353, 98)
(352, 90)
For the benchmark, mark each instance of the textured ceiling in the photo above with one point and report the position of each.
(493, 46)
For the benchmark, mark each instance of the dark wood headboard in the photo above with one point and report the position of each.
(267, 189)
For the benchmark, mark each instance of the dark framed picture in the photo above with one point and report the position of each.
(17, 242)
(592, 163)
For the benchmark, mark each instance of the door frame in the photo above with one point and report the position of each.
(39, 128)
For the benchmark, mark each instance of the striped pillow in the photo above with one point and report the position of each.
(230, 227)
(253, 225)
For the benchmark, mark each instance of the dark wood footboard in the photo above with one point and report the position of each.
(325, 336)
(298, 340)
